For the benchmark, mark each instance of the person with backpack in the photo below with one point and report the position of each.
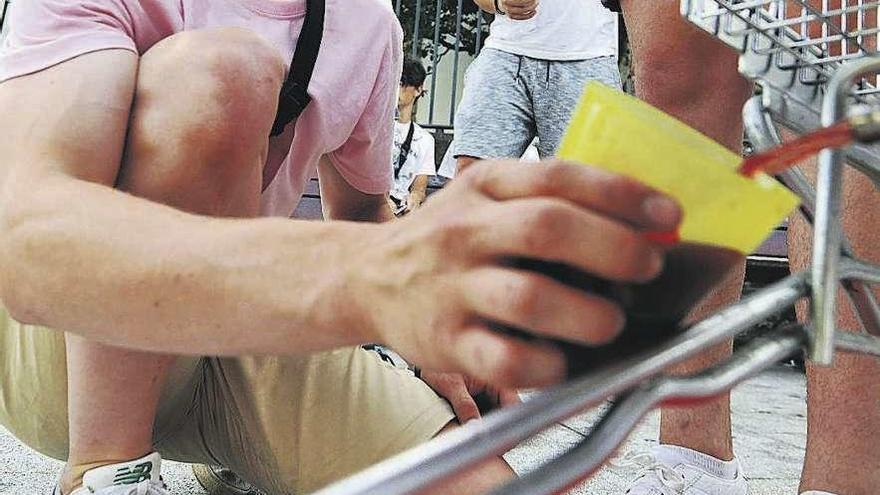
(413, 155)
(140, 142)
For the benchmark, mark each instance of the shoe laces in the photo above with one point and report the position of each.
(145, 487)
(653, 469)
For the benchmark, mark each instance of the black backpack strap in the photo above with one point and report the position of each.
(612, 5)
(404, 149)
(294, 97)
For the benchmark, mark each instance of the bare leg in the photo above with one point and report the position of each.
(843, 406)
(683, 72)
(183, 152)
(843, 409)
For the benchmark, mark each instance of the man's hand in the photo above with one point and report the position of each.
(417, 193)
(436, 283)
(414, 201)
(461, 393)
(519, 10)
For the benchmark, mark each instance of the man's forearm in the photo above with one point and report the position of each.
(84, 258)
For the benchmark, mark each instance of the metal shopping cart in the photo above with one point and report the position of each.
(814, 61)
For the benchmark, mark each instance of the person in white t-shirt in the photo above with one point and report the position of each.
(413, 156)
(528, 78)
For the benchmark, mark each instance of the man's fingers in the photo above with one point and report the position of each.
(558, 231)
(533, 302)
(520, 5)
(508, 397)
(453, 388)
(521, 14)
(613, 195)
(463, 405)
(506, 361)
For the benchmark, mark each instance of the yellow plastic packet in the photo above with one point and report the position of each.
(617, 132)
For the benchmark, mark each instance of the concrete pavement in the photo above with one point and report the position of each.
(769, 428)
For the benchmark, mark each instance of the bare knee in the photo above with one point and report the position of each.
(224, 79)
(204, 99)
(213, 89)
(228, 62)
(676, 64)
(671, 75)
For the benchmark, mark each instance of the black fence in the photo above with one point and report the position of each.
(4, 9)
(446, 35)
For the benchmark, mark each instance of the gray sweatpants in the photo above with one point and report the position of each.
(510, 99)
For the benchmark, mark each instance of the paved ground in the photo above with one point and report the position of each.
(768, 423)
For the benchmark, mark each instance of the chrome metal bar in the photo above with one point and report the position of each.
(480, 21)
(585, 458)
(865, 303)
(856, 276)
(453, 100)
(793, 115)
(854, 269)
(588, 456)
(857, 342)
(827, 233)
(4, 10)
(503, 429)
(435, 58)
(763, 134)
(417, 24)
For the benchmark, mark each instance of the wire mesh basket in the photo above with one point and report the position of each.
(791, 48)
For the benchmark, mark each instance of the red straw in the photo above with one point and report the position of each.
(784, 156)
(664, 238)
(776, 160)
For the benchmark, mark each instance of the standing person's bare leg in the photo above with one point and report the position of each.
(843, 402)
(681, 71)
(204, 156)
(843, 410)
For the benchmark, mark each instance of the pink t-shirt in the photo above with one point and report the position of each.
(353, 87)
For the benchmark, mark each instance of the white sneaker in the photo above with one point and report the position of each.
(138, 477)
(673, 470)
(816, 492)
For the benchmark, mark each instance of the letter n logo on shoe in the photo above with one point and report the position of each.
(133, 475)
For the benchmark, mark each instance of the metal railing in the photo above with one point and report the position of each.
(4, 9)
(446, 35)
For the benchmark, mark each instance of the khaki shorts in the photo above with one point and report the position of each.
(287, 424)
